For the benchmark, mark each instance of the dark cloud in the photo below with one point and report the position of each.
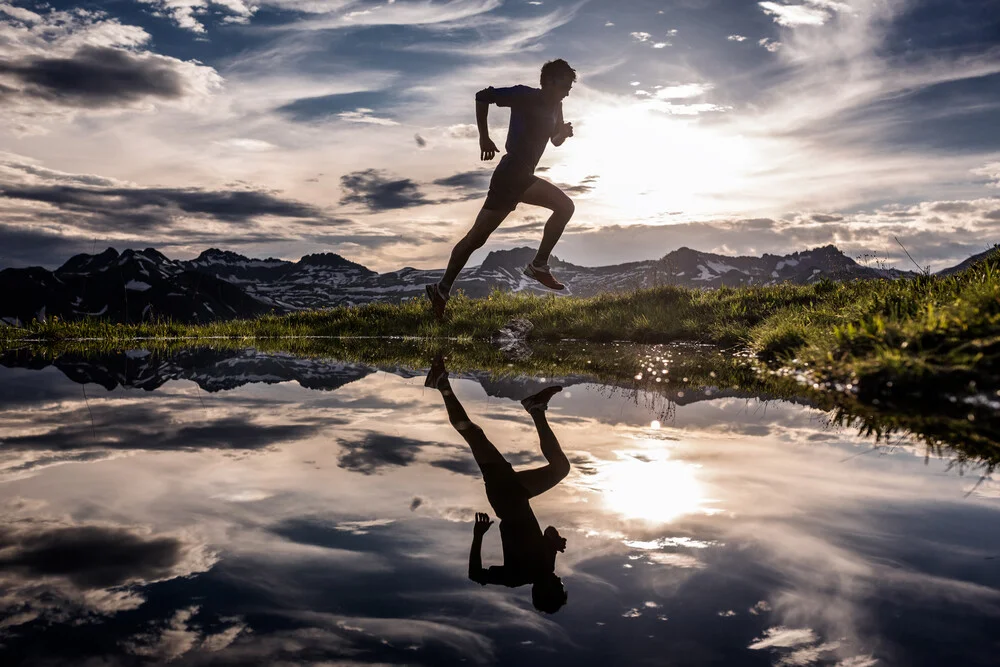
(478, 179)
(378, 192)
(819, 217)
(147, 427)
(993, 215)
(953, 207)
(421, 142)
(584, 186)
(27, 247)
(95, 77)
(379, 450)
(144, 207)
(88, 556)
(375, 451)
(530, 226)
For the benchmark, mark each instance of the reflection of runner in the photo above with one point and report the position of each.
(535, 118)
(529, 555)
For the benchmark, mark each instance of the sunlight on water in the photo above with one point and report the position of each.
(655, 490)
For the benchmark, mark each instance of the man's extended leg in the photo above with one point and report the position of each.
(539, 480)
(486, 223)
(542, 193)
(482, 449)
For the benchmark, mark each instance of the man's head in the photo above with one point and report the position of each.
(554, 539)
(557, 78)
(548, 594)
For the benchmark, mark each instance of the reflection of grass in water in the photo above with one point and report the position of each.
(969, 433)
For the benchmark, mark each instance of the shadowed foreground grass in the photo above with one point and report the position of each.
(884, 338)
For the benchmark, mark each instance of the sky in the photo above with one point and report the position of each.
(280, 128)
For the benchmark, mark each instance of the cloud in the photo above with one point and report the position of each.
(87, 202)
(64, 62)
(378, 450)
(59, 570)
(736, 38)
(96, 77)
(683, 91)
(478, 179)
(990, 171)
(423, 13)
(769, 44)
(183, 11)
(583, 187)
(379, 192)
(794, 15)
(362, 115)
(640, 36)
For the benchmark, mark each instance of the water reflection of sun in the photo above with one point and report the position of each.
(656, 490)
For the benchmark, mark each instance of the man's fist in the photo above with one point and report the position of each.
(567, 130)
(487, 148)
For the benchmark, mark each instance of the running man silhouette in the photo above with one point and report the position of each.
(536, 117)
(529, 554)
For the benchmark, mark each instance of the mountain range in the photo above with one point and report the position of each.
(142, 285)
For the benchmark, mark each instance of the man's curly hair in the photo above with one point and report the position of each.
(556, 68)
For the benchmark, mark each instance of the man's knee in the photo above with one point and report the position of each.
(466, 426)
(569, 208)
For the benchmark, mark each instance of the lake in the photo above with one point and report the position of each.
(213, 507)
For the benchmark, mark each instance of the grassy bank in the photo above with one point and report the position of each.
(882, 337)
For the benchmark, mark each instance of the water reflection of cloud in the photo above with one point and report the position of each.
(808, 539)
(59, 570)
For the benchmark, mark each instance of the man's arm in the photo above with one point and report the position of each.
(476, 571)
(563, 130)
(487, 149)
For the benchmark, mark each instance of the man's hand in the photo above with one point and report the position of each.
(487, 148)
(483, 523)
(565, 132)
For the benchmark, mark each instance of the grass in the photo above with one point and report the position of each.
(887, 340)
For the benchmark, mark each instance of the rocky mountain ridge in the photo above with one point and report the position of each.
(142, 285)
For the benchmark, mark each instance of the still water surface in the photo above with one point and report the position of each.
(245, 508)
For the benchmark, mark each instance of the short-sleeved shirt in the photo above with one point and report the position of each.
(532, 121)
(526, 554)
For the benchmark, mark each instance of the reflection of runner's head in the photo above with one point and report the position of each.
(548, 594)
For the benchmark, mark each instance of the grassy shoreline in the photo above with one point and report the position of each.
(924, 336)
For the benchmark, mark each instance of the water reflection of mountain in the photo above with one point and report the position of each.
(212, 370)
(219, 370)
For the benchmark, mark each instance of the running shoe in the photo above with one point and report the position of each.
(540, 401)
(437, 373)
(438, 300)
(543, 275)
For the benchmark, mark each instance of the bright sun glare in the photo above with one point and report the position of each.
(650, 163)
(658, 490)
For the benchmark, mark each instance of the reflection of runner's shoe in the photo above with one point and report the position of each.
(543, 275)
(437, 372)
(438, 300)
(540, 401)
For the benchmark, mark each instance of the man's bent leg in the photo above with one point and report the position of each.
(486, 223)
(539, 480)
(542, 193)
